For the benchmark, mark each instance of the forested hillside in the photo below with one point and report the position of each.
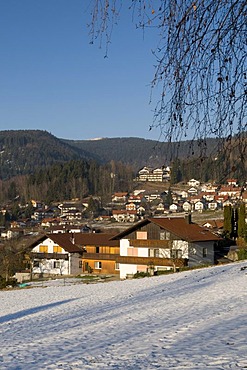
(65, 181)
(23, 151)
(64, 169)
(140, 152)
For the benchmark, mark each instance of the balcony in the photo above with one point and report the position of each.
(152, 261)
(57, 256)
(144, 243)
(100, 256)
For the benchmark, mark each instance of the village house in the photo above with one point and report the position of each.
(216, 225)
(174, 207)
(232, 182)
(208, 196)
(141, 210)
(99, 253)
(123, 215)
(151, 196)
(155, 244)
(130, 206)
(187, 207)
(120, 197)
(213, 205)
(209, 188)
(231, 191)
(193, 183)
(135, 198)
(55, 254)
(154, 175)
(192, 191)
(199, 206)
(12, 233)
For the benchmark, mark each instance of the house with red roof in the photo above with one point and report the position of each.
(74, 254)
(165, 243)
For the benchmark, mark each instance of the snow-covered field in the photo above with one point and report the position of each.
(188, 320)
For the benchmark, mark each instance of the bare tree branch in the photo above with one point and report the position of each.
(200, 71)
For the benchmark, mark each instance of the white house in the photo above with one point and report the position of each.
(212, 206)
(187, 207)
(56, 254)
(123, 215)
(175, 207)
(193, 183)
(199, 206)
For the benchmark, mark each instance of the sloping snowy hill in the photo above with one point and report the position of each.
(189, 320)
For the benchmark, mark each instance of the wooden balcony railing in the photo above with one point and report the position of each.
(155, 261)
(100, 256)
(143, 243)
(58, 256)
(152, 261)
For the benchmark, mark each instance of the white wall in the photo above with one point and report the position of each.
(47, 266)
(50, 243)
(127, 269)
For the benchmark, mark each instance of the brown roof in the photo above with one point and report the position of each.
(178, 226)
(73, 242)
(187, 231)
(84, 239)
(65, 240)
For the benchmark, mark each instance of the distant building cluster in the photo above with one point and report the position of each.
(162, 174)
(129, 207)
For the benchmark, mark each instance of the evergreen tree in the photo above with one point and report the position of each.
(241, 222)
(228, 221)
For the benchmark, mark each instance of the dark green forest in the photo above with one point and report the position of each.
(69, 180)
(23, 151)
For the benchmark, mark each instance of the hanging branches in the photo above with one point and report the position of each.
(200, 71)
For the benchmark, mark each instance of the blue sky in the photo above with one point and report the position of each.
(51, 78)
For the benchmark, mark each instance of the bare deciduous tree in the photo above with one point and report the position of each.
(200, 70)
(11, 258)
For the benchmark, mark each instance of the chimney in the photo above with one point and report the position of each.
(188, 218)
(72, 239)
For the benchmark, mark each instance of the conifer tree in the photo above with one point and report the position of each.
(228, 221)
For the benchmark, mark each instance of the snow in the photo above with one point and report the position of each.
(188, 320)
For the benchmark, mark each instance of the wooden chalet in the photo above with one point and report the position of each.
(100, 253)
(164, 243)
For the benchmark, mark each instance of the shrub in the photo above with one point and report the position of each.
(4, 283)
(140, 274)
(242, 254)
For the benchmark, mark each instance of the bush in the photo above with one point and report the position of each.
(4, 283)
(163, 272)
(242, 254)
(140, 274)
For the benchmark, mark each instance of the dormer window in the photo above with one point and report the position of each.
(165, 235)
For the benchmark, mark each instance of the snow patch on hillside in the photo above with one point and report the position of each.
(189, 320)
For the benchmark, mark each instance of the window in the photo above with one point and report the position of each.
(204, 252)
(141, 235)
(116, 266)
(57, 249)
(154, 253)
(80, 264)
(35, 263)
(56, 264)
(165, 235)
(97, 250)
(176, 253)
(43, 248)
(97, 265)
